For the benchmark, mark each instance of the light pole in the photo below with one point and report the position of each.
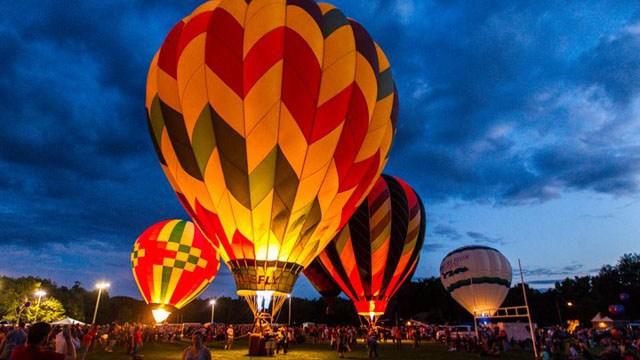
(39, 293)
(100, 286)
(289, 297)
(213, 309)
(559, 313)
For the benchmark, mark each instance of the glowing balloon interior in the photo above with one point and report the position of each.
(271, 120)
(160, 315)
(477, 277)
(172, 263)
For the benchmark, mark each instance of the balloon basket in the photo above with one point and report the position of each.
(261, 324)
(256, 345)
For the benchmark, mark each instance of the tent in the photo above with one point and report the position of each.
(602, 322)
(68, 321)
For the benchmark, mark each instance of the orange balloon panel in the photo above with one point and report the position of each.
(378, 250)
(272, 119)
(173, 263)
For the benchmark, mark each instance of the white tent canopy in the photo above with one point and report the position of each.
(68, 321)
(600, 318)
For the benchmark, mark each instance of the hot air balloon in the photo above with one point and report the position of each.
(378, 249)
(323, 283)
(477, 277)
(272, 119)
(172, 263)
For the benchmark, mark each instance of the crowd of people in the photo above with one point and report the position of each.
(69, 342)
(589, 343)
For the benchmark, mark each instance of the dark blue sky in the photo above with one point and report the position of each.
(519, 126)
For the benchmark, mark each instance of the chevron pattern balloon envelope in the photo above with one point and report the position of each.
(272, 119)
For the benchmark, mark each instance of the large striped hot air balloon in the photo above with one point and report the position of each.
(323, 283)
(379, 248)
(172, 263)
(477, 277)
(272, 119)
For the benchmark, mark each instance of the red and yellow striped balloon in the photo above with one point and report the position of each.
(378, 250)
(172, 263)
(272, 119)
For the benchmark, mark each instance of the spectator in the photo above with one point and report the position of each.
(372, 343)
(196, 351)
(14, 338)
(35, 349)
(230, 335)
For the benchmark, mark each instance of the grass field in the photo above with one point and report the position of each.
(306, 352)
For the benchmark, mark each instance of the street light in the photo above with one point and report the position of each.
(100, 286)
(569, 303)
(289, 297)
(39, 293)
(212, 302)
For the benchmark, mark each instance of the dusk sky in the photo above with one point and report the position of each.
(519, 127)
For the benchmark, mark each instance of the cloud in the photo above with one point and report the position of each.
(443, 237)
(446, 231)
(544, 283)
(572, 268)
(550, 271)
(516, 106)
(479, 237)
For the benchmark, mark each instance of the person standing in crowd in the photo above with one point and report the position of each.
(14, 338)
(35, 349)
(61, 341)
(283, 340)
(416, 337)
(87, 340)
(372, 343)
(341, 340)
(197, 351)
(230, 334)
(136, 342)
(396, 334)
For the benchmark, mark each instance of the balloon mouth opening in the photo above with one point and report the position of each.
(371, 314)
(483, 313)
(160, 314)
(264, 298)
(370, 309)
(272, 293)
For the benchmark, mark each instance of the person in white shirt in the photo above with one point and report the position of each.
(61, 342)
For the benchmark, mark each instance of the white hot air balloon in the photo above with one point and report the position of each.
(477, 277)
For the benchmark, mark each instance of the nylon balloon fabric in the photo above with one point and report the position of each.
(173, 263)
(379, 248)
(477, 277)
(272, 119)
(321, 280)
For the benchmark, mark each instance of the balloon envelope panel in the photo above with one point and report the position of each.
(172, 263)
(321, 279)
(477, 277)
(272, 119)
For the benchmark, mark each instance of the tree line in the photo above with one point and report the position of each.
(426, 300)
